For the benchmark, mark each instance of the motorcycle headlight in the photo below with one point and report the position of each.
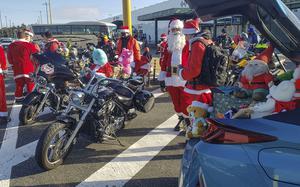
(77, 97)
(42, 81)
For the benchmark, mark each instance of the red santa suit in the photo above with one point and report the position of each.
(52, 45)
(169, 72)
(161, 47)
(195, 91)
(18, 55)
(105, 69)
(296, 80)
(3, 69)
(259, 81)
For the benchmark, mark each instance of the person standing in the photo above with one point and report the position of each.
(52, 44)
(128, 42)
(3, 72)
(195, 90)
(18, 55)
(175, 53)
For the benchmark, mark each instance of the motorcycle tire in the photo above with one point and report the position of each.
(41, 153)
(25, 116)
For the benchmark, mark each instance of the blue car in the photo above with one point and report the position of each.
(261, 152)
(255, 152)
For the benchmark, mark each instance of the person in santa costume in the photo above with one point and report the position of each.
(18, 55)
(175, 54)
(160, 49)
(143, 67)
(256, 78)
(128, 42)
(3, 72)
(195, 90)
(101, 65)
(51, 43)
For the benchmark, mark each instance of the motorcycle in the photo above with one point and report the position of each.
(51, 84)
(101, 109)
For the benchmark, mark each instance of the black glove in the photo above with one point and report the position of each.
(162, 86)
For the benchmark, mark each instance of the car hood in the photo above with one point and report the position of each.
(275, 11)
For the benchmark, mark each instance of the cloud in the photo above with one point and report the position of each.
(77, 13)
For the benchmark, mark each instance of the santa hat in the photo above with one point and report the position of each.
(176, 23)
(266, 55)
(99, 57)
(202, 105)
(28, 32)
(163, 36)
(124, 29)
(191, 27)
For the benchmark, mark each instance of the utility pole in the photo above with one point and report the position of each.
(127, 14)
(50, 14)
(46, 4)
(6, 21)
(1, 20)
(10, 23)
(41, 17)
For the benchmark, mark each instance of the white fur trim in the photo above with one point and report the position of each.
(189, 31)
(174, 81)
(176, 58)
(283, 92)
(29, 33)
(101, 74)
(196, 92)
(21, 76)
(1, 71)
(3, 114)
(180, 74)
(297, 95)
(162, 76)
(123, 30)
(176, 24)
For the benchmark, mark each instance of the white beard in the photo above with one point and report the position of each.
(175, 45)
(248, 73)
(176, 42)
(254, 68)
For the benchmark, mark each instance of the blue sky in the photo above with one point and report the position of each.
(20, 11)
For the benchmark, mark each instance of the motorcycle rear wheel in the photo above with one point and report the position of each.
(49, 154)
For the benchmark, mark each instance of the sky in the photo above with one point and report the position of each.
(63, 11)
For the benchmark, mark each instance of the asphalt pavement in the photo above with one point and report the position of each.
(150, 156)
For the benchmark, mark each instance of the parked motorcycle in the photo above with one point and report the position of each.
(51, 84)
(101, 108)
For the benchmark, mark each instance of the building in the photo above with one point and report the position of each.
(147, 27)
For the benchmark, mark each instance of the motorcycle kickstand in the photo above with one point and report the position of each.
(118, 140)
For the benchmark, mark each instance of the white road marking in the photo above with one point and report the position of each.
(10, 156)
(127, 164)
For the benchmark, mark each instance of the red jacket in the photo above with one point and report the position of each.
(260, 81)
(106, 69)
(19, 57)
(131, 45)
(166, 66)
(3, 65)
(161, 49)
(193, 69)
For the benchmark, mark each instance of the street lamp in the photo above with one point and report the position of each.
(46, 4)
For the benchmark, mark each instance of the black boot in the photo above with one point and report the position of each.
(177, 127)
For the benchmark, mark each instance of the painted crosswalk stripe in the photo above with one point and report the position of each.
(127, 164)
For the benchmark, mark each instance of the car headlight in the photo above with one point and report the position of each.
(77, 97)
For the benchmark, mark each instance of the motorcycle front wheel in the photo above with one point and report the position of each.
(27, 113)
(49, 153)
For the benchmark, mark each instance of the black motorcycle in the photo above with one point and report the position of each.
(100, 109)
(51, 84)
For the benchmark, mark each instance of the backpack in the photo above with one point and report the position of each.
(214, 66)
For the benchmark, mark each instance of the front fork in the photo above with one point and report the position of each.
(41, 105)
(81, 121)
